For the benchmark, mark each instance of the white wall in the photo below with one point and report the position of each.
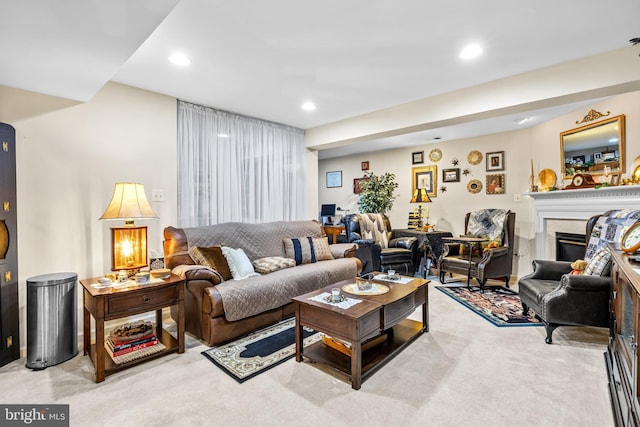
(539, 143)
(69, 156)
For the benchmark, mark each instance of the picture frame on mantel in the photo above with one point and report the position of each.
(615, 179)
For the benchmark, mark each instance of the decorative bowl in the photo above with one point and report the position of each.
(363, 285)
(161, 273)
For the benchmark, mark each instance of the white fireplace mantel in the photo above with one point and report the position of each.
(579, 204)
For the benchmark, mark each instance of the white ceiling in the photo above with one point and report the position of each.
(264, 59)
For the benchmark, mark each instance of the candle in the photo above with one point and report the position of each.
(531, 168)
(426, 212)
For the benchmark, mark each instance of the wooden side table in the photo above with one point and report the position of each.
(469, 241)
(114, 303)
(334, 231)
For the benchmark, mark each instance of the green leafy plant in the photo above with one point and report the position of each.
(376, 195)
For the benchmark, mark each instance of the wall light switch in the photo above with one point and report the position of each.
(517, 198)
(157, 195)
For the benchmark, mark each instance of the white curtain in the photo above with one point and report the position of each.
(237, 168)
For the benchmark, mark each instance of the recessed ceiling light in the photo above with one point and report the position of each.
(308, 106)
(523, 120)
(471, 51)
(180, 59)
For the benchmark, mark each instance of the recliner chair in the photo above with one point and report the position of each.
(399, 254)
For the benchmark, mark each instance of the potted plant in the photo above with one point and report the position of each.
(376, 195)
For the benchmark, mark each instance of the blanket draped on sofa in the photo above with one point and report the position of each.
(255, 295)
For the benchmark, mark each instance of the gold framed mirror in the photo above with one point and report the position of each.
(595, 148)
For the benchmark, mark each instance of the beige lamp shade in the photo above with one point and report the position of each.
(129, 202)
(128, 243)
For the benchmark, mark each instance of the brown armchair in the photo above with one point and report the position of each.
(491, 263)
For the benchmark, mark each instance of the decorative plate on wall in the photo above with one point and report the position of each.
(435, 155)
(474, 157)
(474, 186)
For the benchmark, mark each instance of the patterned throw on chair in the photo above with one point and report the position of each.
(372, 227)
(487, 223)
(610, 228)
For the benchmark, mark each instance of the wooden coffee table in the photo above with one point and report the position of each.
(359, 324)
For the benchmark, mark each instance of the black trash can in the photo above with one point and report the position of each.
(52, 310)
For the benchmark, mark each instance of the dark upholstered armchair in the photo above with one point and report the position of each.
(492, 263)
(559, 298)
(399, 253)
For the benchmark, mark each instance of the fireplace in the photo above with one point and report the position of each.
(570, 246)
(577, 206)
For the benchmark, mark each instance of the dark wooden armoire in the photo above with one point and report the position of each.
(9, 320)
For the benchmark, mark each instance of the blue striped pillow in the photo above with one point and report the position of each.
(301, 250)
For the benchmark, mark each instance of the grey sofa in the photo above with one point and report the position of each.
(217, 311)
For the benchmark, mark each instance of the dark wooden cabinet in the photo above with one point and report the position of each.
(9, 323)
(622, 354)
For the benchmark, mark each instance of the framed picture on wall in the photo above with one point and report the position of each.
(425, 177)
(451, 175)
(334, 179)
(495, 161)
(417, 157)
(364, 165)
(357, 189)
(495, 184)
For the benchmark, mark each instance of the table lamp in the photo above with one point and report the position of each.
(128, 243)
(420, 196)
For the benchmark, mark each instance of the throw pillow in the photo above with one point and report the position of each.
(600, 263)
(270, 264)
(306, 250)
(322, 249)
(212, 257)
(239, 263)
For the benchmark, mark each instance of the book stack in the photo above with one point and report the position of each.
(124, 349)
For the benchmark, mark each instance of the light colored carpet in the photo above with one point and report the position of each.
(464, 372)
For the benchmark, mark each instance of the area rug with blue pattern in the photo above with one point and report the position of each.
(497, 304)
(259, 351)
